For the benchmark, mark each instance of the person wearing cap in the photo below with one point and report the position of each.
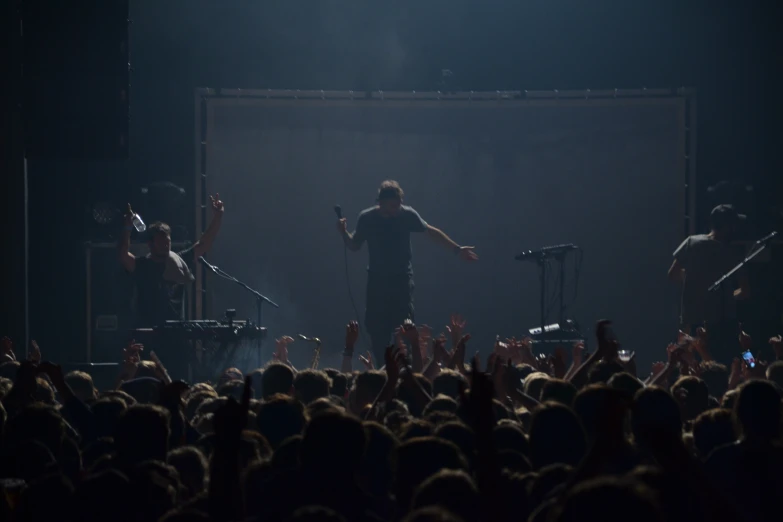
(701, 260)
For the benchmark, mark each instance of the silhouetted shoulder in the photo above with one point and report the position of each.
(368, 212)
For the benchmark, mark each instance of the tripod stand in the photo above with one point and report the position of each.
(542, 257)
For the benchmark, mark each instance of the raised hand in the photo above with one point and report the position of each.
(466, 253)
(455, 327)
(281, 349)
(759, 370)
(425, 338)
(128, 217)
(683, 338)
(399, 340)
(7, 350)
(342, 225)
(132, 352)
(409, 332)
(657, 367)
(35, 352)
(217, 204)
(544, 364)
(745, 341)
(558, 361)
(578, 353)
(439, 352)
(675, 353)
(161, 371)
(367, 361)
(130, 360)
(351, 335)
(391, 356)
(458, 355)
(526, 351)
(501, 349)
(777, 345)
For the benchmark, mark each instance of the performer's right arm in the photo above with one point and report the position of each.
(355, 240)
(127, 260)
(677, 270)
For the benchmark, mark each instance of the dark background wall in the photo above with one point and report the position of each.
(727, 50)
(503, 176)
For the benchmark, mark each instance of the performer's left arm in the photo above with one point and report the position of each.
(438, 236)
(205, 243)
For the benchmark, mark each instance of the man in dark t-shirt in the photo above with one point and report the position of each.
(162, 275)
(386, 228)
(699, 261)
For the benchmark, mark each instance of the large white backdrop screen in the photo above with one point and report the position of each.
(605, 175)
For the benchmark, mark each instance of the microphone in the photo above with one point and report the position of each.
(204, 262)
(767, 238)
(339, 211)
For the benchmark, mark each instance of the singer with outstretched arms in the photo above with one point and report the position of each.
(386, 228)
(160, 276)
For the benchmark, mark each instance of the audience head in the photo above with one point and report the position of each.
(333, 445)
(142, 433)
(556, 436)
(82, 386)
(279, 418)
(377, 468)
(775, 373)
(232, 388)
(37, 422)
(712, 429)
(509, 436)
(98, 496)
(193, 468)
(463, 437)
(418, 459)
(339, 382)
(534, 384)
(106, 413)
(601, 411)
(441, 403)
(629, 500)
(453, 490)
(560, 391)
(449, 383)
(693, 396)
(655, 409)
(366, 387)
(310, 385)
(277, 379)
(757, 411)
(626, 383)
(716, 376)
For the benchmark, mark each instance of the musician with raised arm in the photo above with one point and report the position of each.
(386, 227)
(160, 276)
(700, 261)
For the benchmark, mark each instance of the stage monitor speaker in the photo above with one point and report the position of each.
(76, 78)
(110, 293)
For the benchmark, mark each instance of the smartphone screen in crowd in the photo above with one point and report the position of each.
(749, 359)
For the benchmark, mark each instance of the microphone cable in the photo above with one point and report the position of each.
(339, 211)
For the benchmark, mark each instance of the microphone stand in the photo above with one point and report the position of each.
(759, 246)
(260, 300)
